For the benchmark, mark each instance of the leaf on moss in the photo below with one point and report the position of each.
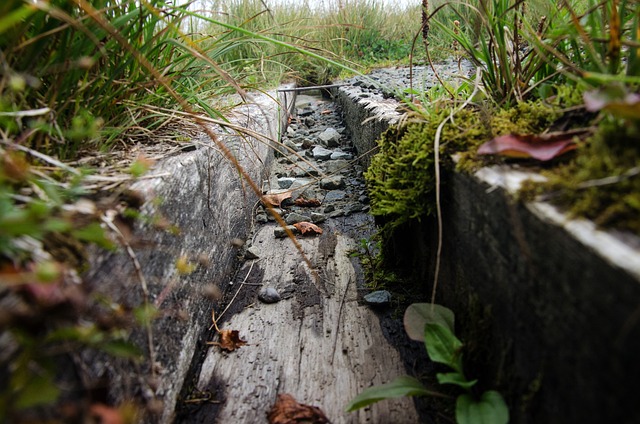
(229, 340)
(307, 228)
(540, 147)
(275, 199)
(614, 99)
(287, 410)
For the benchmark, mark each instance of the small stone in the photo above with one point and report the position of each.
(280, 232)
(364, 199)
(333, 182)
(330, 137)
(262, 218)
(306, 111)
(294, 218)
(337, 213)
(251, 253)
(285, 182)
(329, 208)
(269, 295)
(303, 170)
(353, 208)
(339, 165)
(317, 218)
(290, 145)
(378, 298)
(341, 155)
(320, 153)
(333, 196)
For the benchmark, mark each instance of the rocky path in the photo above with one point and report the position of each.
(309, 331)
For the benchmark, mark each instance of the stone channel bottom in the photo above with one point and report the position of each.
(320, 343)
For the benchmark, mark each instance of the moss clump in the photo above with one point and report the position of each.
(598, 184)
(401, 177)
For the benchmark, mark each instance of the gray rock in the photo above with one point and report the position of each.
(333, 196)
(291, 145)
(329, 208)
(285, 182)
(269, 295)
(262, 218)
(378, 298)
(303, 170)
(353, 208)
(338, 165)
(337, 213)
(251, 253)
(341, 155)
(333, 182)
(306, 111)
(320, 153)
(317, 218)
(294, 218)
(280, 232)
(330, 137)
(363, 199)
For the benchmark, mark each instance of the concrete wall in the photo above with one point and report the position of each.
(549, 307)
(203, 195)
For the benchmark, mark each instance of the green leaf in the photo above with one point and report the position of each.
(455, 378)
(419, 314)
(39, 389)
(490, 409)
(93, 233)
(443, 346)
(401, 386)
(121, 348)
(16, 17)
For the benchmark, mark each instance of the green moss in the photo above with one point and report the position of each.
(594, 185)
(401, 177)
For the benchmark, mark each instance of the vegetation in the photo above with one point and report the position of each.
(80, 79)
(434, 325)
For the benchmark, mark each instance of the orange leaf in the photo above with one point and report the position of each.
(301, 201)
(105, 414)
(287, 410)
(275, 199)
(230, 340)
(307, 228)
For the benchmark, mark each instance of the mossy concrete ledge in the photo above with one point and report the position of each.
(202, 194)
(548, 307)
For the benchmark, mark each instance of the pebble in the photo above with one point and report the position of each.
(317, 218)
(334, 195)
(333, 182)
(330, 137)
(294, 218)
(251, 253)
(320, 153)
(269, 295)
(378, 298)
(341, 155)
(280, 232)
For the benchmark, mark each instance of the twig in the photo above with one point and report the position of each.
(335, 340)
(436, 147)
(234, 296)
(143, 285)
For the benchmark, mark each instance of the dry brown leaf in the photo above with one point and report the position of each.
(307, 228)
(105, 414)
(275, 199)
(541, 147)
(287, 410)
(230, 340)
(301, 201)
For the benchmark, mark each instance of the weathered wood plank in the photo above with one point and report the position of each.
(318, 344)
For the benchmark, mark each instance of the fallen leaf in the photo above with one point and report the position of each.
(229, 340)
(301, 201)
(275, 199)
(616, 100)
(307, 228)
(287, 410)
(105, 414)
(325, 112)
(541, 147)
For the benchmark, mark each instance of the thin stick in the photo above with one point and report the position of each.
(436, 147)
(235, 295)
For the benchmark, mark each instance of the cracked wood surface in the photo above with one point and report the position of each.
(319, 343)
